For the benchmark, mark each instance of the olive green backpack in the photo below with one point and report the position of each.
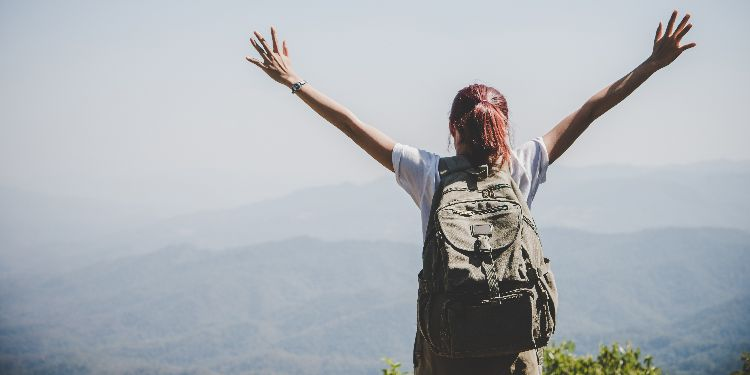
(485, 288)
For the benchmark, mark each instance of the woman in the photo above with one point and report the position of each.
(478, 123)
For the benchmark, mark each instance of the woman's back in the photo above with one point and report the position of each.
(416, 172)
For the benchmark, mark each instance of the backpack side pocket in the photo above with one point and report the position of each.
(549, 299)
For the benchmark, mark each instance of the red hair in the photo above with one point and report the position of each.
(480, 114)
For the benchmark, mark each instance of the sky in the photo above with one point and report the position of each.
(150, 105)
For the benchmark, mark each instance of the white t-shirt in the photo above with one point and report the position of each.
(417, 172)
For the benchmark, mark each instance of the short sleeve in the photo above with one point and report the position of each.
(531, 162)
(415, 171)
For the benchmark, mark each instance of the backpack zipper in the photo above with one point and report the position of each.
(516, 293)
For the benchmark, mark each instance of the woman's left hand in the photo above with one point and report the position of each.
(667, 45)
(276, 62)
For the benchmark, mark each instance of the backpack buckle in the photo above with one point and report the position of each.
(481, 229)
(534, 273)
(481, 171)
(482, 232)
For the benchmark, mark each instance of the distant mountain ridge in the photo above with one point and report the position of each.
(307, 306)
(607, 199)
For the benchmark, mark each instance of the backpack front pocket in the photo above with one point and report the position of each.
(457, 220)
(476, 233)
(491, 327)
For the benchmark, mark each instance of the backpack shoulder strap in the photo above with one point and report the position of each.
(450, 164)
(446, 165)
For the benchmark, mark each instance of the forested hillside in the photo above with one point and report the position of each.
(308, 306)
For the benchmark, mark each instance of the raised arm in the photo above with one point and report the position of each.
(666, 49)
(277, 64)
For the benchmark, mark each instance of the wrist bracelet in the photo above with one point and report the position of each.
(297, 86)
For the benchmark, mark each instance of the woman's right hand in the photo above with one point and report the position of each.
(279, 67)
(276, 63)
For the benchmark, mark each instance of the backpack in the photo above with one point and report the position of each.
(485, 288)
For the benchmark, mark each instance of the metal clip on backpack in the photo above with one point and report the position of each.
(485, 288)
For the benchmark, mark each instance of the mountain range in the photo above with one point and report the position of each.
(308, 306)
(603, 199)
(323, 280)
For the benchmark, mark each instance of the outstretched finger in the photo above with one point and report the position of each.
(687, 46)
(658, 33)
(256, 62)
(682, 24)
(264, 44)
(286, 51)
(683, 32)
(273, 37)
(671, 23)
(260, 50)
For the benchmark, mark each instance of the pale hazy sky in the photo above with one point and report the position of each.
(152, 104)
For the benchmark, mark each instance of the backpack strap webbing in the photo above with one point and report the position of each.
(447, 165)
(453, 163)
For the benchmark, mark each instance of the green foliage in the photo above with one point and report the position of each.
(611, 360)
(560, 360)
(745, 365)
(394, 368)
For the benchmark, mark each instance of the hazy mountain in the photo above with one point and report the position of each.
(708, 336)
(621, 199)
(30, 218)
(307, 306)
(295, 306)
(379, 210)
(43, 229)
(599, 199)
(679, 294)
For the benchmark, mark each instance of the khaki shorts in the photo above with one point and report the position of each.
(428, 363)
